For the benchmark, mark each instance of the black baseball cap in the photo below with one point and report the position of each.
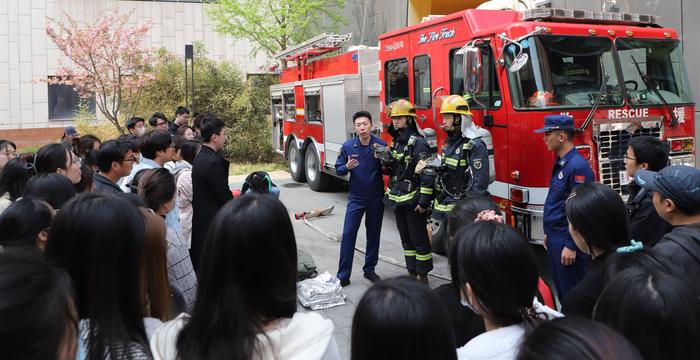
(679, 183)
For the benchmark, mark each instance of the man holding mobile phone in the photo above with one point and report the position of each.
(365, 198)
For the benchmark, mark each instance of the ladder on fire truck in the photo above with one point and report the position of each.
(316, 46)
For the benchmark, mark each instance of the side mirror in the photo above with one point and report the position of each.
(472, 69)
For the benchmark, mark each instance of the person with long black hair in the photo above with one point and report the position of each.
(157, 187)
(26, 224)
(242, 314)
(655, 310)
(574, 338)
(57, 158)
(400, 318)
(495, 270)
(37, 311)
(98, 241)
(53, 188)
(598, 224)
(13, 179)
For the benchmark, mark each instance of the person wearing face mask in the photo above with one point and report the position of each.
(136, 125)
(494, 268)
(409, 193)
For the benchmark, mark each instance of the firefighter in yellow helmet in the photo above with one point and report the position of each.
(465, 164)
(409, 193)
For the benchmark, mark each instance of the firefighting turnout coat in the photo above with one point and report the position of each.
(406, 187)
(465, 171)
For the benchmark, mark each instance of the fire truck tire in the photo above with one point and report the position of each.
(318, 180)
(296, 162)
(438, 238)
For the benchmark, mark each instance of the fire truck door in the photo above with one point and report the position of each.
(335, 129)
(487, 105)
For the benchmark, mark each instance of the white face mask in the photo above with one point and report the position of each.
(140, 131)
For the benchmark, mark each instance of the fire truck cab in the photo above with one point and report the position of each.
(618, 75)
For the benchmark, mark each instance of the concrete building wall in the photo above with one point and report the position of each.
(27, 54)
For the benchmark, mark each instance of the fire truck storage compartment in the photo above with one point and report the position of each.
(277, 121)
(340, 98)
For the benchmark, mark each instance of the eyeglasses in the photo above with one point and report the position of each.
(630, 158)
(9, 154)
(132, 159)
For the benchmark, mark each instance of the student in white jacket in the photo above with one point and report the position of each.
(246, 301)
(497, 276)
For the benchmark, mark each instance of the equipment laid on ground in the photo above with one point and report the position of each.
(322, 292)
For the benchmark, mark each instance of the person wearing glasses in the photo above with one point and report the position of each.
(645, 153)
(8, 151)
(114, 161)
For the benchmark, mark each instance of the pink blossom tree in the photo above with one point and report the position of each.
(107, 61)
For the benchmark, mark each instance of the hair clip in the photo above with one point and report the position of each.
(634, 246)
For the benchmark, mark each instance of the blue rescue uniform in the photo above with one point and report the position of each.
(569, 172)
(365, 197)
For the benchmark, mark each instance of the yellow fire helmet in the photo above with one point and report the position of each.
(402, 108)
(455, 104)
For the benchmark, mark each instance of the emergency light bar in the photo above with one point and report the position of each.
(598, 17)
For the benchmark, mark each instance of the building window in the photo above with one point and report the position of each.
(396, 80)
(421, 81)
(64, 102)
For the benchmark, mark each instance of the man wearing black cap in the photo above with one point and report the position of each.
(566, 261)
(677, 200)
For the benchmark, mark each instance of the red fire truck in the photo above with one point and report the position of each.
(618, 75)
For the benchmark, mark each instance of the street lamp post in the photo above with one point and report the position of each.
(189, 55)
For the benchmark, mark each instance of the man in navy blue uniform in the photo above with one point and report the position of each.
(566, 261)
(366, 194)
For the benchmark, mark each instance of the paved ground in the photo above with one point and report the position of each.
(325, 251)
(299, 197)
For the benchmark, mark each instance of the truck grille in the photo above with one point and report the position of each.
(612, 139)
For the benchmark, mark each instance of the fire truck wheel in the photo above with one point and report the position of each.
(318, 180)
(296, 162)
(438, 238)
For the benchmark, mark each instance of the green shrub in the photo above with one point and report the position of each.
(244, 105)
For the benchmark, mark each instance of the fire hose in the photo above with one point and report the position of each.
(306, 216)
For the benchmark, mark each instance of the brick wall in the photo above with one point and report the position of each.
(32, 137)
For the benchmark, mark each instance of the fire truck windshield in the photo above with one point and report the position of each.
(563, 72)
(659, 73)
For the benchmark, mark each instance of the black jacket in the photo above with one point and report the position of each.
(210, 192)
(104, 185)
(682, 247)
(466, 325)
(405, 186)
(645, 223)
(582, 298)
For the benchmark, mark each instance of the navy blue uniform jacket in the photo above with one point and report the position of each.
(366, 181)
(568, 172)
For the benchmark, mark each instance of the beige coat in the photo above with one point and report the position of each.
(184, 203)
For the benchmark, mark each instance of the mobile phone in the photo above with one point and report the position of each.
(353, 156)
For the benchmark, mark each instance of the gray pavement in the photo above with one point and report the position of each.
(325, 251)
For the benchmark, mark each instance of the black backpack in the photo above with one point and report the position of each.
(257, 181)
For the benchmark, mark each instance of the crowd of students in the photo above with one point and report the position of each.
(97, 262)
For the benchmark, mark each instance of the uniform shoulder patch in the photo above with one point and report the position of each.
(579, 179)
(477, 164)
